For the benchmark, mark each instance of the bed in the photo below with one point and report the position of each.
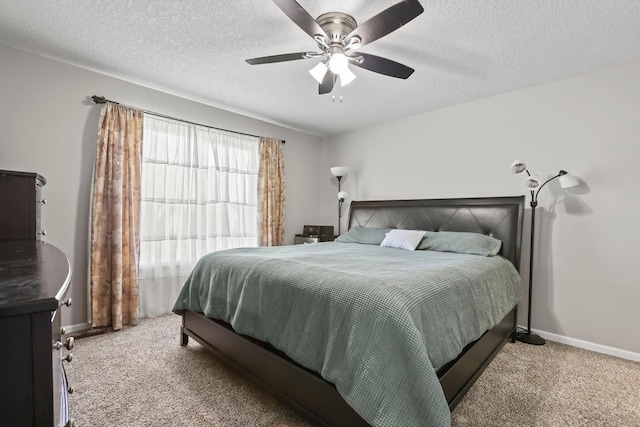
(310, 384)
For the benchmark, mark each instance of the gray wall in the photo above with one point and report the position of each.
(48, 126)
(587, 281)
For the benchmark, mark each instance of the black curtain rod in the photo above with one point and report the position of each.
(102, 100)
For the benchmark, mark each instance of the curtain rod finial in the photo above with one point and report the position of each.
(99, 99)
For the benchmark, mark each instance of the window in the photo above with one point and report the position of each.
(199, 194)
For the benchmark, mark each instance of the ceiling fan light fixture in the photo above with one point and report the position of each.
(319, 71)
(338, 63)
(346, 77)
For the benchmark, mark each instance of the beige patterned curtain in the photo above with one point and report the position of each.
(271, 197)
(115, 218)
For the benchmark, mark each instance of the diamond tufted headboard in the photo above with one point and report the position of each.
(499, 217)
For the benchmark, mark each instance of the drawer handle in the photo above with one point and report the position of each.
(68, 344)
(70, 390)
(68, 358)
(67, 302)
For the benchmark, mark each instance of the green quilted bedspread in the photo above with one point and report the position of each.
(373, 321)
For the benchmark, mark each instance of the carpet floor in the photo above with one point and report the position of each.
(141, 377)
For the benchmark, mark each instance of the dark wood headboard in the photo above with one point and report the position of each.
(499, 217)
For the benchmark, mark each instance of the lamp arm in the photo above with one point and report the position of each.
(534, 196)
(534, 199)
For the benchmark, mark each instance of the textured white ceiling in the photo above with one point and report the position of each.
(462, 50)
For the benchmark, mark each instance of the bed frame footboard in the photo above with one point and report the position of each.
(305, 391)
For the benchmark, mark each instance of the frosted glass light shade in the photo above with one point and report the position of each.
(339, 171)
(518, 166)
(338, 63)
(567, 181)
(342, 195)
(318, 72)
(346, 77)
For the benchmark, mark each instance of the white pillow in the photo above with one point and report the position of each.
(403, 239)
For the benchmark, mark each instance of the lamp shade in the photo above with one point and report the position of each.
(567, 181)
(342, 195)
(339, 171)
(532, 182)
(518, 166)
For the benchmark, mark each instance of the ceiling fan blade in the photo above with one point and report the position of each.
(386, 21)
(384, 66)
(301, 17)
(327, 83)
(279, 58)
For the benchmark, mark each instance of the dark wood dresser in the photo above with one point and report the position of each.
(34, 281)
(21, 195)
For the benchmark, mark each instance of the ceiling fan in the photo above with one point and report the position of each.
(338, 35)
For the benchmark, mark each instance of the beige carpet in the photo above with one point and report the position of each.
(140, 376)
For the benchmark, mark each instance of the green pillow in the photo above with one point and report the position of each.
(460, 242)
(364, 235)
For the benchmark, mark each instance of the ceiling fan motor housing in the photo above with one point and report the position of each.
(337, 25)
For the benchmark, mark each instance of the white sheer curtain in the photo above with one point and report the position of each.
(199, 194)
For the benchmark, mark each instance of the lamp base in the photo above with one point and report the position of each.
(530, 338)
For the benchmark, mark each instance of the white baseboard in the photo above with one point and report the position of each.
(598, 348)
(78, 327)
